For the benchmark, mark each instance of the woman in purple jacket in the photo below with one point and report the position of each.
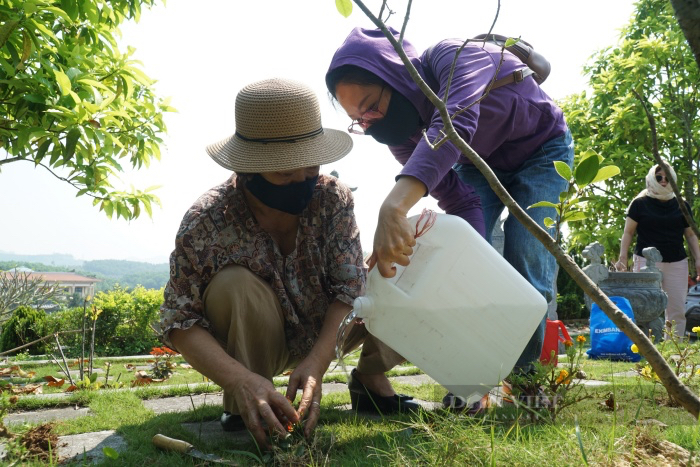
(517, 129)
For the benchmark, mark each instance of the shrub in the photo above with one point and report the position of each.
(570, 303)
(68, 320)
(25, 325)
(571, 306)
(124, 327)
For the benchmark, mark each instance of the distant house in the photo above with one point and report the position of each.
(67, 283)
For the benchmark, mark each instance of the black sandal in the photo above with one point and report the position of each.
(364, 400)
(230, 422)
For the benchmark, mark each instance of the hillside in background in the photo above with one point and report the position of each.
(51, 260)
(127, 274)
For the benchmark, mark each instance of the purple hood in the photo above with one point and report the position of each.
(371, 50)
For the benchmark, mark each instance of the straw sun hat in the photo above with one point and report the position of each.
(278, 127)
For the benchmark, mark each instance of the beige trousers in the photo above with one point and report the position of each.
(248, 322)
(675, 283)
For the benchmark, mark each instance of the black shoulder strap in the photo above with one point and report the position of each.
(515, 77)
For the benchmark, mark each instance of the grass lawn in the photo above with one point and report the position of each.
(590, 431)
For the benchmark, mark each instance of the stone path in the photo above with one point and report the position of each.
(88, 446)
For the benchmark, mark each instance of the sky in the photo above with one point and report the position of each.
(202, 53)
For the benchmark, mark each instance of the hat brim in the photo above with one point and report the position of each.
(241, 156)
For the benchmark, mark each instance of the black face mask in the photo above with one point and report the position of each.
(292, 198)
(400, 122)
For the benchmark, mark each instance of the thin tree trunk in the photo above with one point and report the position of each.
(687, 13)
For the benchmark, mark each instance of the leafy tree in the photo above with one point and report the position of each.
(72, 102)
(653, 63)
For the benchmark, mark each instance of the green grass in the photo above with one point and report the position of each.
(502, 436)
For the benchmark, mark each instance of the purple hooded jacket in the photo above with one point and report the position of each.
(505, 128)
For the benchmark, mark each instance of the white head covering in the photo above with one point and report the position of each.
(654, 189)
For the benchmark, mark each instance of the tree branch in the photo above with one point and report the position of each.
(11, 159)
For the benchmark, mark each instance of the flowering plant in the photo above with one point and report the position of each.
(162, 365)
(681, 355)
(554, 387)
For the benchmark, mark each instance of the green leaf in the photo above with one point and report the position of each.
(572, 216)
(110, 452)
(511, 42)
(41, 152)
(563, 170)
(35, 98)
(344, 7)
(108, 208)
(71, 142)
(26, 49)
(586, 171)
(6, 30)
(60, 13)
(549, 222)
(63, 82)
(543, 204)
(93, 83)
(71, 8)
(93, 377)
(606, 172)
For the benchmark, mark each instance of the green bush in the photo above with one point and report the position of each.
(25, 325)
(570, 303)
(68, 320)
(126, 324)
(571, 306)
(123, 327)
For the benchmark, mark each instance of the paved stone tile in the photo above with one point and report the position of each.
(182, 403)
(41, 416)
(592, 382)
(88, 446)
(211, 431)
(624, 374)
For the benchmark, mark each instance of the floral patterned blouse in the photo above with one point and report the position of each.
(220, 230)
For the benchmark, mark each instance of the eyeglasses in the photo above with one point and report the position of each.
(661, 177)
(372, 114)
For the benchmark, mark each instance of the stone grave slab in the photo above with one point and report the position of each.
(87, 447)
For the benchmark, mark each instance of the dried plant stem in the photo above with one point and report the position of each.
(82, 343)
(92, 344)
(58, 344)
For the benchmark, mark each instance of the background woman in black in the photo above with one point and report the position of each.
(658, 221)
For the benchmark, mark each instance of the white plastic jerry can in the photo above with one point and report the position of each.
(459, 311)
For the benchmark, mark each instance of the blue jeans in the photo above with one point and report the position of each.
(536, 180)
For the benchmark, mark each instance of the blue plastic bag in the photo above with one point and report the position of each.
(607, 341)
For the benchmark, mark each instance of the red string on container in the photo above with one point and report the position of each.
(428, 217)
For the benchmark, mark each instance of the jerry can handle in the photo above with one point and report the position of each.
(564, 331)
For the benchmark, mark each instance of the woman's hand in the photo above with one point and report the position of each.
(621, 265)
(308, 376)
(393, 241)
(394, 238)
(258, 402)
